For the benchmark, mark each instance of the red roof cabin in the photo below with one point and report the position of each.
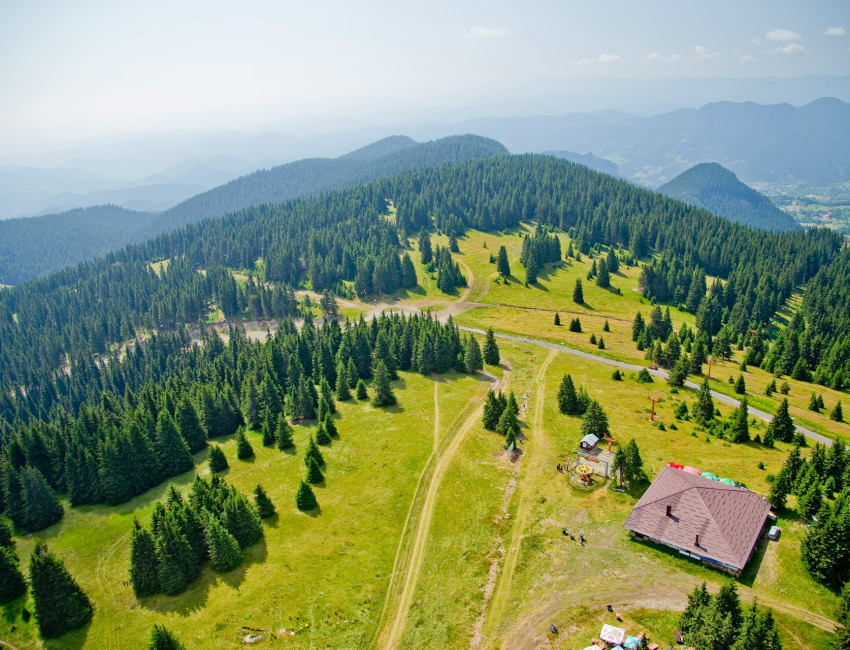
(712, 522)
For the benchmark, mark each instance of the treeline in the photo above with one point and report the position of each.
(35, 246)
(214, 524)
(140, 418)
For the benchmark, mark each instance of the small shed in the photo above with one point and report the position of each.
(589, 442)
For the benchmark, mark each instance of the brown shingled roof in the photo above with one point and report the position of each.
(728, 520)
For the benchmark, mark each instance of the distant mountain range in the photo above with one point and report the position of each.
(715, 188)
(776, 144)
(588, 160)
(34, 246)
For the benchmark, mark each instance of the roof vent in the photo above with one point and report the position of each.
(696, 542)
(669, 509)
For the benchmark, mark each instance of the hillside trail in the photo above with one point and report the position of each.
(536, 451)
(408, 562)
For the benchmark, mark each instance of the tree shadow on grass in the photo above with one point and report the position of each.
(254, 554)
(315, 512)
(748, 577)
(73, 640)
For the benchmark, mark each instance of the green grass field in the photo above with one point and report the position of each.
(324, 575)
(494, 568)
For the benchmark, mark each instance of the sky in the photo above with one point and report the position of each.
(84, 69)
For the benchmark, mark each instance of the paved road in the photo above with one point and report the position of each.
(661, 374)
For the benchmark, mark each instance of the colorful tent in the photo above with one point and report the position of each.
(691, 470)
(675, 465)
(631, 642)
(727, 481)
(713, 477)
(611, 634)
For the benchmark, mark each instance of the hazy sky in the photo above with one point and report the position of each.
(71, 70)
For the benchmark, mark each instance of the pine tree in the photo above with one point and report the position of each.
(617, 375)
(60, 604)
(384, 395)
(740, 429)
(781, 427)
(283, 434)
(313, 452)
(343, 391)
(217, 460)
(491, 350)
(6, 540)
(250, 402)
(603, 278)
(578, 293)
(322, 435)
(189, 425)
(740, 385)
(567, 399)
(595, 421)
(509, 419)
(606, 327)
(163, 639)
(837, 414)
(244, 450)
(222, 549)
(241, 519)
(425, 251)
(314, 472)
(502, 264)
(305, 500)
(679, 373)
(408, 272)
(362, 394)
(557, 319)
(601, 343)
(12, 583)
(330, 427)
(268, 434)
(144, 570)
(174, 455)
(703, 410)
(264, 505)
(492, 411)
(473, 362)
(40, 506)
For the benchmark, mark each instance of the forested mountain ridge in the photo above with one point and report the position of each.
(715, 188)
(63, 319)
(313, 175)
(32, 247)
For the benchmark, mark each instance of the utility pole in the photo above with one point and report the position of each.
(653, 400)
(710, 361)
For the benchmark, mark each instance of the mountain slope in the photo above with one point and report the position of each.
(715, 188)
(315, 175)
(33, 247)
(586, 159)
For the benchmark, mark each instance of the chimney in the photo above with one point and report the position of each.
(696, 543)
(669, 509)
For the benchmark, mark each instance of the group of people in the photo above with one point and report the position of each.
(569, 533)
(563, 467)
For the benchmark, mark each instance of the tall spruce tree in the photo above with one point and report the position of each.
(314, 472)
(781, 427)
(174, 455)
(217, 460)
(12, 583)
(491, 350)
(502, 264)
(362, 393)
(241, 519)
(472, 359)
(492, 411)
(264, 505)
(283, 434)
(244, 450)
(384, 395)
(60, 604)
(703, 410)
(330, 427)
(578, 293)
(313, 452)
(190, 425)
(222, 548)
(144, 568)
(343, 390)
(305, 499)
(567, 399)
(594, 421)
(740, 428)
(41, 507)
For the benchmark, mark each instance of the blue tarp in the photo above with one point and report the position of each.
(631, 642)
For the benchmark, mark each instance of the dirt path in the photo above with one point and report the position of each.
(389, 632)
(532, 461)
